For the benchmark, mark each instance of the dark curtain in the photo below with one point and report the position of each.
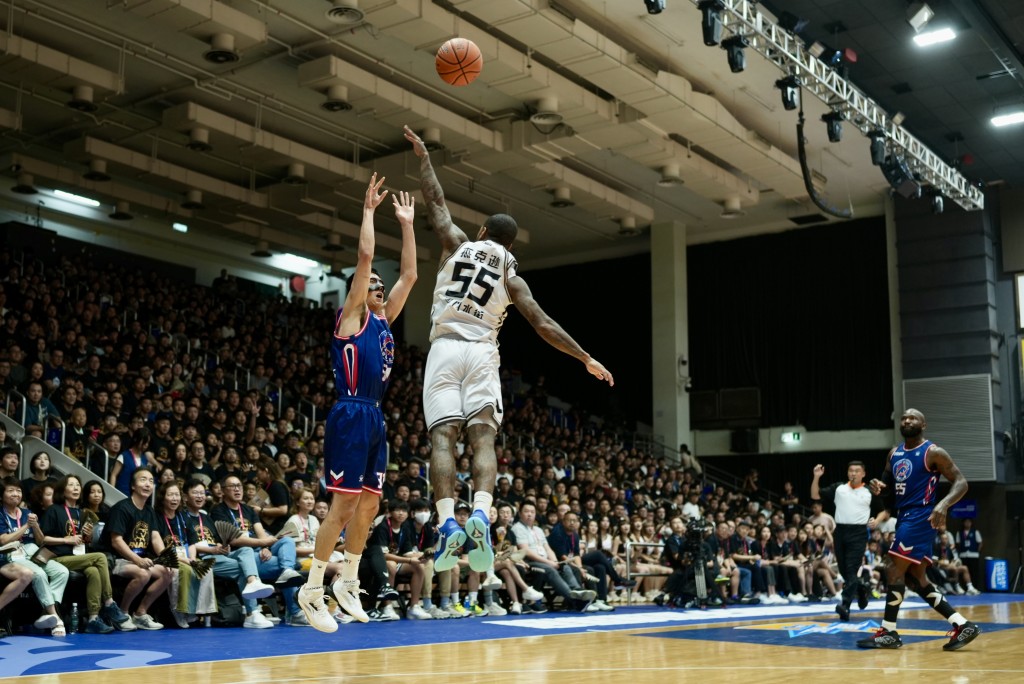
(803, 316)
(606, 307)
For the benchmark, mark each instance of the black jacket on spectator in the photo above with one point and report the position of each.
(562, 543)
(398, 543)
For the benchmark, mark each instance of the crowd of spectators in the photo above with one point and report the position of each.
(215, 397)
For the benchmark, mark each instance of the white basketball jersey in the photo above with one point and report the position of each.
(471, 294)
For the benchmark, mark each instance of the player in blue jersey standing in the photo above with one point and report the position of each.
(912, 476)
(355, 446)
(476, 283)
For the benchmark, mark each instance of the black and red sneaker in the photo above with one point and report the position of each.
(882, 638)
(961, 635)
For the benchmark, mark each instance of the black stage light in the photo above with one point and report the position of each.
(711, 21)
(834, 123)
(655, 6)
(877, 147)
(790, 88)
(900, 177)
(734, 49)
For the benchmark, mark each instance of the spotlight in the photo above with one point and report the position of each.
(790, 88)
(826, 54)
(834, 123)
(81, 99)
(711, 21)
(734, 49)
(193, 200)
(295, 174)
(877, 147)
(655, 6)
(900, 177)
(937, 203)
(222, 49)
(199, 140)
(918, 15)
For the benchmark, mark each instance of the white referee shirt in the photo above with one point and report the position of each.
(853, 504)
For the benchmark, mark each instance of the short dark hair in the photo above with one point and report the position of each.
(856, 463)
(398, 505)
(501, 228)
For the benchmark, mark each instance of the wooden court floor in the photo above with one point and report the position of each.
(617, 657)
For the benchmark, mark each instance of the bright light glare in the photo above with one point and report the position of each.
(78, 199)
(941, 35)
(1008, 119)
(292, 262)
(180, 227)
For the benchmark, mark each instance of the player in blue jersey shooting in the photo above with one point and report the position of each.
(355, 446)
(912, 476)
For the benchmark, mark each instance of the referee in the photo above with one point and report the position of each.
(854, 507)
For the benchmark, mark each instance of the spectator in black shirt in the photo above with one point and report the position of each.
(197, 466)
(132, 536)
(564, 540)
(275, 513)
(39, 466)
(391, 475)
(402, 556)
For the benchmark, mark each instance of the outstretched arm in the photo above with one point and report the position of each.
(404, 203)
(551, 331)
(819, 470)
(940, 458)
(440, 218)
(354, 310)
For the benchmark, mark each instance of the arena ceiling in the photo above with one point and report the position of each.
(654, 126)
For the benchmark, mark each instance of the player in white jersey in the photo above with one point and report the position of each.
(476, 283)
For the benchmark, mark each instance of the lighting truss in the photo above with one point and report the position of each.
(791, 56)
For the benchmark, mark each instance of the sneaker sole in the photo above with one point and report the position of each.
(258, 594)
(448, 557)
(308, 611)
(482, 557)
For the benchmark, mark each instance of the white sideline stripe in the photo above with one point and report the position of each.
(756, 612)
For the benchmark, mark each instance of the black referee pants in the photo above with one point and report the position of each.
(849, 542)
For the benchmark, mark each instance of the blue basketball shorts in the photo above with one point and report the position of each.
(914, 535)
(355, 447)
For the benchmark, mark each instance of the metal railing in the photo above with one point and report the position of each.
(94, 446)
(629, 565)
(23, 405)
(69, 466)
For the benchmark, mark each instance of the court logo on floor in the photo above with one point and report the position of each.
(34, 655)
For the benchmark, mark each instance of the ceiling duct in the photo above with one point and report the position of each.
(262, 249)
(25, 185)
(82, 99)
(97, 171)
(731, 208)
(670, 176)
(432, 139)
(337, 99)
(562, 198)
(122, 212)
(199, 140)
(333, 243)
(295, 174)
(193, 200)
(222, 49)
(344, 12)
(627, 226)
(546, 112)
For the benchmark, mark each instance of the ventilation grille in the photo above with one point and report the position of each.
(959, 414)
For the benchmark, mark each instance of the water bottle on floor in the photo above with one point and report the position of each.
(73, 629)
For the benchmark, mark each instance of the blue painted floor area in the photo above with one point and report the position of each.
(803, 624)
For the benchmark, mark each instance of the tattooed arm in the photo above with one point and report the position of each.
(451, 236)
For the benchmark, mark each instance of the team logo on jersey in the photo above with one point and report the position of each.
(387, 352)
(902, 469)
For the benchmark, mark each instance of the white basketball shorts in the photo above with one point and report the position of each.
(461, 380)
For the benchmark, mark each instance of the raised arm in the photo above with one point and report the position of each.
(354, 310)
(819, 470)
(941, 460)
(404, 212)
(551, 331)
(440, 218)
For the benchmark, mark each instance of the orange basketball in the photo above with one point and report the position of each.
(458, 61)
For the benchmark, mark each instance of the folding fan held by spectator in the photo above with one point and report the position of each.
(227, 532)
(89, 522)
(202, 566)
(167, 558)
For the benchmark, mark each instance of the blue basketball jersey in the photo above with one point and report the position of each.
(362, 362)
(915, 484)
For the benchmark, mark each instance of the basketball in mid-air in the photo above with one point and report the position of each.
(458, 61)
